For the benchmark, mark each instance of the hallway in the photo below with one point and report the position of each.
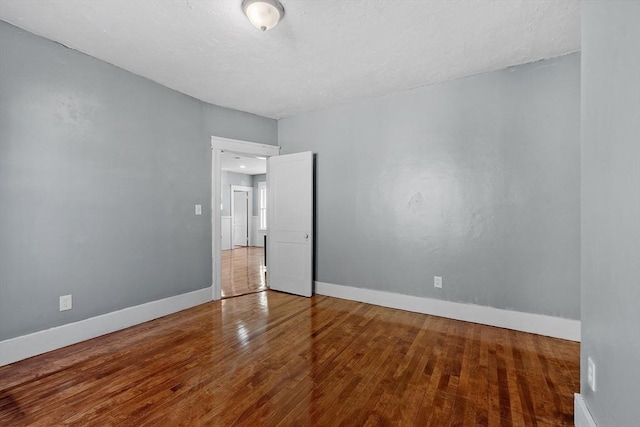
(243, 271)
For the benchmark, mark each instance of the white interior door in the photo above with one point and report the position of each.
(240, 218)
(290, 223)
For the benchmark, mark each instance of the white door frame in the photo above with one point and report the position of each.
(249, 191)
(218, 145)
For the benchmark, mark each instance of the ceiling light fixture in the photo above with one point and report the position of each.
(263, 14)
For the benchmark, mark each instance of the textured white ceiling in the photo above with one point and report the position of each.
(322, 54)
(239, 163)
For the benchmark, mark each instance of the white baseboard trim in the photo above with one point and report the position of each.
(540, 324)
(18, 348)
(582, 417)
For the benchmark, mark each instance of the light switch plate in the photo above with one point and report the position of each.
(65, 302)
(437, 281)
(591, 374)
(198, 209)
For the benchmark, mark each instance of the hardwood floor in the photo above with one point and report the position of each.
(268, 359)
(243, 271)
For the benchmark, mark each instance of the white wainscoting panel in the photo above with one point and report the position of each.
(258, 235)
(540, 324)
(18, 348)
(254, 231)
(260, 238)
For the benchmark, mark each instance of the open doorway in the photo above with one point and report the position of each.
(242, 187)
(219, 146)
(289, 222)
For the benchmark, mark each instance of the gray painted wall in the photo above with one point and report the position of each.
(227, 180)
(235, 124)
(611, 209)
(99, 174)
(475, 179)
(256, 202)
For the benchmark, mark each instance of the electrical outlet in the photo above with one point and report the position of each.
(437, 281)
(65, 302)
(591, 374)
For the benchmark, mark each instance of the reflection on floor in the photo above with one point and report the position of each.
(243, 271)
(269, 358)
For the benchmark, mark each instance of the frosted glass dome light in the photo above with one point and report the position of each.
(263, 14)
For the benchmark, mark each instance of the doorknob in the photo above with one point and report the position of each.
(306, 236)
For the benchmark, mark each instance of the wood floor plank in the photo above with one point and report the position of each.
(243, 271)
(269, 359)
